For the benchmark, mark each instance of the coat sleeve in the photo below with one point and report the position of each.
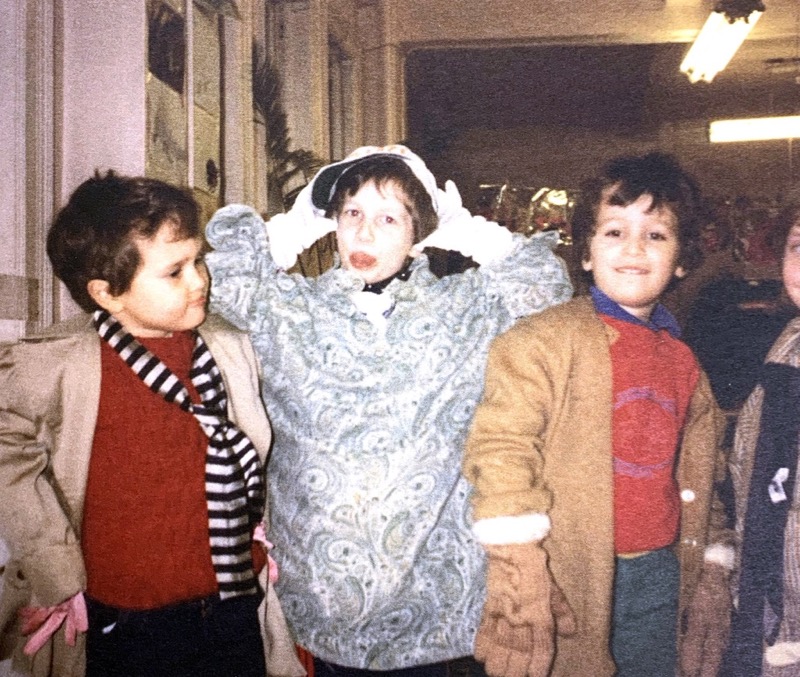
(720, 526)
(530, 279)
(34, 514)
(703, 472)
(504, 457)
(243, 274)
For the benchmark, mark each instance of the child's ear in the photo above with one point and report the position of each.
(100, 292)
(586, 264)
(680, 272)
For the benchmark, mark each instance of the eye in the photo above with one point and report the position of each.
(351, 213)
(175, 273)
(612, 232)
(388, 219)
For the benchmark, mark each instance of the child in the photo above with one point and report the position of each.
(593, 455)
(374, 370)
(128, 493)
(765, 633)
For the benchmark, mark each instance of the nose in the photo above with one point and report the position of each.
(197, 277)
(634, 245)
(366, 231)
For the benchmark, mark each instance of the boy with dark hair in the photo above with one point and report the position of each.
(130, 496)
(594, 455)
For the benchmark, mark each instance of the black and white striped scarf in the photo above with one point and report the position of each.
(234, 480)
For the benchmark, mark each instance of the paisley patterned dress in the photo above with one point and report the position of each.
(368, 508)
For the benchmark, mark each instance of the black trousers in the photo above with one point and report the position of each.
(458, 667)
(202, 638)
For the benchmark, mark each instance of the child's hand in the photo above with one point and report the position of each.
(458, 230)
(41, 623)
(260, 548)
(708, 624)
(524, 610)
(292, 233)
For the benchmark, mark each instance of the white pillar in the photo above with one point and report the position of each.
(103, 88)
(383, 90)
(102, 95)
(13, 279)
(239, 160)
(302, 47)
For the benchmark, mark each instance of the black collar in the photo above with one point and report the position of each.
(403, 274)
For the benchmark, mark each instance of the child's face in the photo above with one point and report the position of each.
(168, 291)
(375, 232)
(791, 264)
(633, 253)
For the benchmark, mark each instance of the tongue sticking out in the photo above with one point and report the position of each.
(361, 260)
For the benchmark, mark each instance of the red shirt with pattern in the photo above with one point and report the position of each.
(654, 376)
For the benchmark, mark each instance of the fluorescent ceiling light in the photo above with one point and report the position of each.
(754, 129)
(783, 65)
(716, 44)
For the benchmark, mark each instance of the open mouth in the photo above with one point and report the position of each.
(362, 260)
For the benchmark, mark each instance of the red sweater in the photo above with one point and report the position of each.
(654, 376)
(145, 525)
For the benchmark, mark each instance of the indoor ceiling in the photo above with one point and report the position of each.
(626, 80)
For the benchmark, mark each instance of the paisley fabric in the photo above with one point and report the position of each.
(369, 512)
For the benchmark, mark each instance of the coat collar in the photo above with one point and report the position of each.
(661, 318)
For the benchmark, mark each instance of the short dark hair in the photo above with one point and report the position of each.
(382, 169)
(93, 235)
(656, 174)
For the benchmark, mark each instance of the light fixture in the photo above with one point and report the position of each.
(783, 65)
(754, 129)
(722, 34)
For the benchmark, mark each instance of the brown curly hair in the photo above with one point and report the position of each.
(622, 181)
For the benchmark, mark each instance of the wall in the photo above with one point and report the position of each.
(562, 157)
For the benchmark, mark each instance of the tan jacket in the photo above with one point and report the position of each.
(541, 443)
(49, 395)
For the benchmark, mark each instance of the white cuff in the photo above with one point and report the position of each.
(510, 529)
(283, 242)
(782, 654)
(490, 241)
(717, 553)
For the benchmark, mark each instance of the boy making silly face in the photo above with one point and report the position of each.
(633, 252)
(375, 231)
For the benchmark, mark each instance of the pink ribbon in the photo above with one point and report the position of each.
(260, 536)
(41, 623)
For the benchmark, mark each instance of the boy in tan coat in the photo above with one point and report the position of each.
(593, 457)
(132, 443)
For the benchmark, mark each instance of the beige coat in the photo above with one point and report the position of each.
(49, 394)
(541, 443)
